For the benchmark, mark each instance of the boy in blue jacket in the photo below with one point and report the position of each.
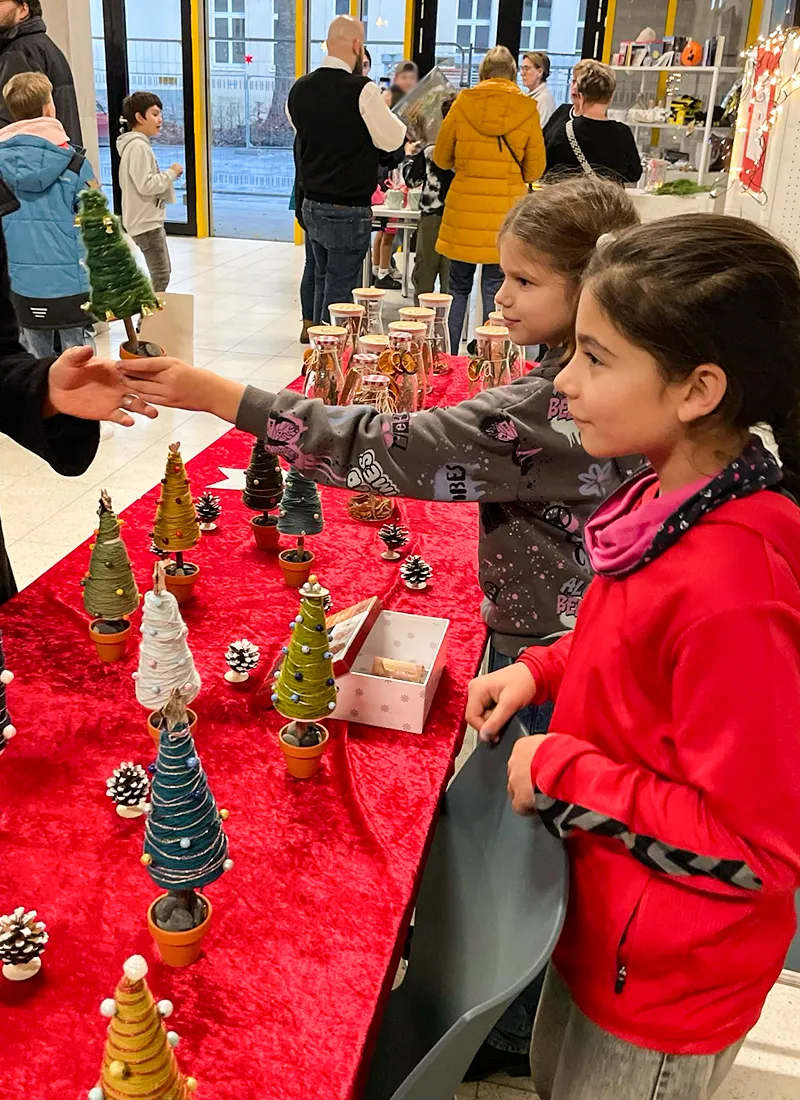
(49, 281)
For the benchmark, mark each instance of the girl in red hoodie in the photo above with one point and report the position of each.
(673, 770)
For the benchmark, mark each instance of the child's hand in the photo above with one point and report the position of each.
(177, 169)
(171, 382)
(494, 699)
(81, 384)
(520, 783)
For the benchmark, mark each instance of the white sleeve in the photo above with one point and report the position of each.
(385, 129)
(140, 169)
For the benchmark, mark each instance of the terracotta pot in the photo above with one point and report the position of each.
(182, 588)
(146, 350)
(179, 948)
(110, 647)
(266, 534)
(296, 573)
(303, 763)
(155, 732)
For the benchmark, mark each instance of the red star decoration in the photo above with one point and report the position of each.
(248, 59)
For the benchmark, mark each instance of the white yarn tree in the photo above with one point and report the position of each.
(165, 660)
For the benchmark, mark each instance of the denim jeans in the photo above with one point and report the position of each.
(340, 239)
(308, 283)
(462, 276)
(156, 255)
(44, 342)
(574, 1059)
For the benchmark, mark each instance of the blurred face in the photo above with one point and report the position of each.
(366, 65)
(12, 13)
(151, 122)
(531, 74)
(406, 81)
(538, 304)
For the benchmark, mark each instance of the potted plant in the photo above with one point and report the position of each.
(185, 846)
(305, 689)
(120, 289)
(300, 515)
(139, 1059)
(165, 660)
(262, 493)
(110, 594)
(176, 528)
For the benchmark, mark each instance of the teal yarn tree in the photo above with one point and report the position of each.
(7, 729)
(185, 846)
(301, 509)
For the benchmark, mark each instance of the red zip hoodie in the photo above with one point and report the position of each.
(674, 765)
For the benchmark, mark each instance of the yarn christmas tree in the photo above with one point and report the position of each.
(301, 511)
(128, 788)
(305, 689)
(22, 940)
(165, 660)
(139, 1060)
(185, 847)
(7, 730)
(120, 289)
(176, 528)
(263, 480)
(395, 538)
(208, 509)
(109, 588)
(415, 572)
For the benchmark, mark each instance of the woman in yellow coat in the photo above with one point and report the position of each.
(493, 140)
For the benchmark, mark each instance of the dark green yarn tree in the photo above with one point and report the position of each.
(120, 289)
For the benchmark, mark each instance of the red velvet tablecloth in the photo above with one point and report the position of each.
(304, 939)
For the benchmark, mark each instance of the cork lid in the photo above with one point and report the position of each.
(327, 330)
(495, 318)
(373, 341)
(416, 313)
(413, 328)
(347, 309)
(369, 292)
(494, 332)
(436, 298)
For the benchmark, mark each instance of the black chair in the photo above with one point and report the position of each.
(490, 909)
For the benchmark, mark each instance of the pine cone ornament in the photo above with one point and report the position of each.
(243, 656)
(159, 553)
(22, 937)
(394, 537)
(129, 785)
(208, 509)
(415, 572)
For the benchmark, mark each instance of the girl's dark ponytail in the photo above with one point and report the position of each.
(786, 430)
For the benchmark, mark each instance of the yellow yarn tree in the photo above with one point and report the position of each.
(139, 1059)
(176, 527)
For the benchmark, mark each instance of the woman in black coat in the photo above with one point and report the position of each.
(52, 406)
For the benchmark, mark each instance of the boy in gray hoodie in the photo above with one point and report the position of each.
(145, 188)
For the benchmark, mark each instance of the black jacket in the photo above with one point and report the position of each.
(609, 146)
(27, 49)
(66, 443)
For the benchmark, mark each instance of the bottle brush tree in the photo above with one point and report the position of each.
(120, 289)
(301, 512)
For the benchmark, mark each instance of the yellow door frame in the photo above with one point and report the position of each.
(201, 135)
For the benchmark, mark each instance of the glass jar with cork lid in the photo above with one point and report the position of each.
(516, 354)
(349, 316)
(489, 367)
(323, 365)
(371, 298)
(424, 315)
(417, 330)
(440, 304)
(402, 366)
(360, 364)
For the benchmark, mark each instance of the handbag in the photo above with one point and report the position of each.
(576, 149)
(515, 158)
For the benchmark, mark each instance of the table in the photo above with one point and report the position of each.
(409, 220)
(307, 927)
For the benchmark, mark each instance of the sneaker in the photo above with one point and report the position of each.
(489, 1060)
(387, 283)
(304, 337)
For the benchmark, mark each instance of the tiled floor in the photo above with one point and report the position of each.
(247, 321)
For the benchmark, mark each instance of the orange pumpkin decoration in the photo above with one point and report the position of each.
(692, 53)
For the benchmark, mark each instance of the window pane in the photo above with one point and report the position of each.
(579, 40)
(464, 9)
(582, 11)
(527, 11)
(220, 5)
(485, 9)
(541, 38)
(238, 28)
(482, 36)
(342, 7)
(238, 53)
(543, 11)
(463, 34)
(221, 28)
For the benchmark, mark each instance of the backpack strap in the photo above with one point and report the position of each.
(76, 164)
(576, 149)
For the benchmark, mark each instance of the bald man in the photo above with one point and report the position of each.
(341, 125)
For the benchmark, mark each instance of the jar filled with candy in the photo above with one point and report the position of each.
(489, 367)
(371, 298)
(323, 365)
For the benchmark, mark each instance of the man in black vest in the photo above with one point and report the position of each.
(341, 125)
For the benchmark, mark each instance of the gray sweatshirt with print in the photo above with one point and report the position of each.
(515, 450)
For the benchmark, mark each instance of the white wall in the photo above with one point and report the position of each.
(68, 24)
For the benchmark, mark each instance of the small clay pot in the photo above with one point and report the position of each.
(154, 729)
(110, 647)
(303, 763)
(179, 948)
(145, 350)
(20, 972)
(182, 588)
(296, 573)
(266, 533)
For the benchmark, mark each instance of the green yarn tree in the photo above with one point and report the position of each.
(263, 480)
(305, 689)
(301, 511)
(120, 289)
(109, 588)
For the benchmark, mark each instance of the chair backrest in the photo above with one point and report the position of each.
(490, 908)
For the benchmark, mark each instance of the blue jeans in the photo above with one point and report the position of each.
(44, 342)
(340, 239)
(513, 1030)
(308, 283)
(462, 276)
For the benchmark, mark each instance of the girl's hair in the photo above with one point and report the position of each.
(595, 81)
(563, 221)
(703, 288)
(498, 62)
(539, 60)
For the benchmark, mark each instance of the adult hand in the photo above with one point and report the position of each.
(79, 384)
(171, 382)
(494, 699)
(177, 169)
(520, 783)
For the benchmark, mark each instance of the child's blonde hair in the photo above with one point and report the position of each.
(27, 95)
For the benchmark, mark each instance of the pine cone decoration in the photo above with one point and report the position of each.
(242, 656)
(129, 785)
(159, 553)
(22, 937)
(415, 572)
(393, 536)
(208, 508)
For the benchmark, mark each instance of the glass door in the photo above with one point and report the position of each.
(251, 67)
